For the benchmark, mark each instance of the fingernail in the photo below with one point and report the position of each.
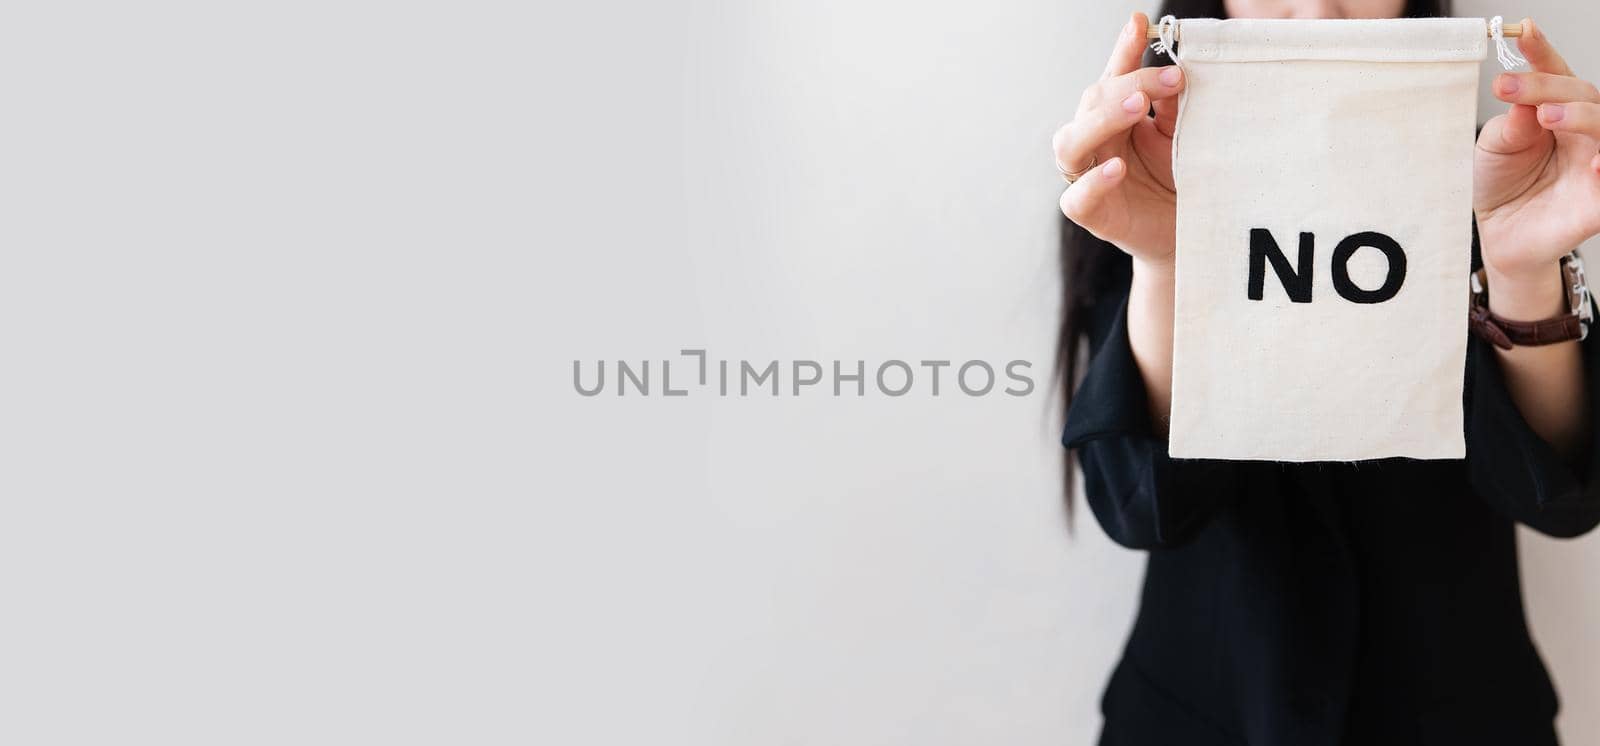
(1133, 104)
(1509, 84)
(1112, 169)
(1553, 112)
(1127, 28)
(1171, 76)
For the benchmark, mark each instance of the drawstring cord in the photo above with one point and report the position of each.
(1166, 43)
(1509, 59)
(1167, 32)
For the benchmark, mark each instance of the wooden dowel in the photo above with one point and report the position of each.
(1512, 30)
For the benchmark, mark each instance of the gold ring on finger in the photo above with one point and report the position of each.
(1072, 176)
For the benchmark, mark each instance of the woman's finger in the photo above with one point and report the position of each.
(1543, 88)
(1166, 115)
(1155, 82)
(1076, 142)
(1129, 50)
(1513, 132)
(1581, 117)
(1082, 202)
(1542, 56)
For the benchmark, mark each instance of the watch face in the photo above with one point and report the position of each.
(1577, 288)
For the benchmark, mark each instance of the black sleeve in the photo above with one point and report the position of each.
(1142, 497)
(1514, 469)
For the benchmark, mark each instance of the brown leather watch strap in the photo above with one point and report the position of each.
(1506, 334)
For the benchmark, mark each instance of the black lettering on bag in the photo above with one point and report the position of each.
(1296, 280)
(1391, 282)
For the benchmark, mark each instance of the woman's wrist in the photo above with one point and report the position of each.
(1153, 273)
(1533, 294)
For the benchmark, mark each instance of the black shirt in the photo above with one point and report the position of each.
(1363, 603)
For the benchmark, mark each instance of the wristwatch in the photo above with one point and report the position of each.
(1506, 334)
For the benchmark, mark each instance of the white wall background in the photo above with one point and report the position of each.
(832, 180)
(289, 451)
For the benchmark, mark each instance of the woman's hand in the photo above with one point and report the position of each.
(1537, 169)
(1125, 195)
(1537, 196)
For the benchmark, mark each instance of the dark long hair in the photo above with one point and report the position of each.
(1091, 269)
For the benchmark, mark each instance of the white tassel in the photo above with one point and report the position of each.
(1167, 43)
(1509, 59)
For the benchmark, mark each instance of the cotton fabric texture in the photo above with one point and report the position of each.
(1339, 153)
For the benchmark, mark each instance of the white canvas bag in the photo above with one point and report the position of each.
(1346, 145)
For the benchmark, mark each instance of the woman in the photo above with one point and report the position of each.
(1301, 604)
